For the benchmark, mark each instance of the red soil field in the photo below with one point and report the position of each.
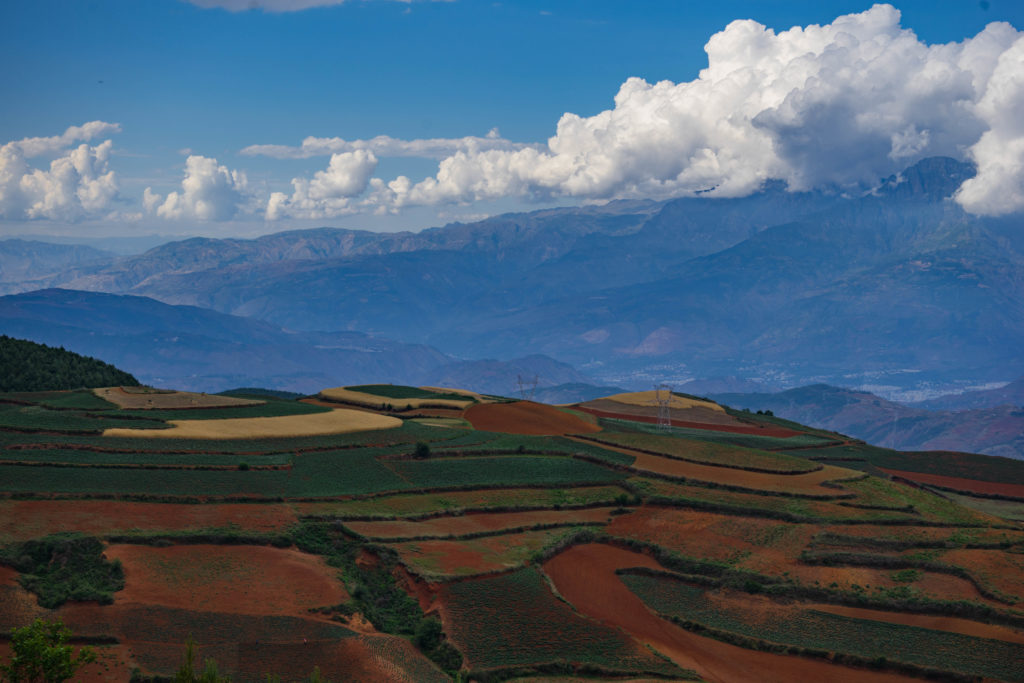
(526, 417)
(474, 556)
(727, 424)
(18, 607)
(585, 576)
(959, 484)
(25, 519)
(997, 569)
(477, 522)
(232, 579)
(768, 547)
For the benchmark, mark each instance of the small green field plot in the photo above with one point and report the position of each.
(272, 408)
(708, 453)
(88, 458)
(773, 443)
(405, 505)
(77, 400)
(510, 470)
(1012, 510)
(398, 391)
(886, 493)
(514, 620)
(823, 631)
(734, 502)
(36, 418)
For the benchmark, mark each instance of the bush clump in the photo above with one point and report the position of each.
(65, 567)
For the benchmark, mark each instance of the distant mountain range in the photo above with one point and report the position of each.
(186, 347)
(780, 287)
(992, 429)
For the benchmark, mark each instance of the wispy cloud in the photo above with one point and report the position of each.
(275, 5)
(387, 146)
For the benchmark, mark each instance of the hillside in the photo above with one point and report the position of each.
(202, 350)
(1010, 394)
(804, 287)
(27, 264)
(397, 533)
(995, 430)
(27, 366)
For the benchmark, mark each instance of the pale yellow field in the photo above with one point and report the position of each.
(338, 421)
(139, 398)
(370, 401)
(647, 398)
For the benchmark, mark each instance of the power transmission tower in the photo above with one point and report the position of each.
(663, 397)
(527, 387)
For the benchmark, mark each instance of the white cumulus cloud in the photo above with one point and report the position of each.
(387, 146)
(209, 192)
(330, 193)
(78, 182)
(999, 154)
(842, 104)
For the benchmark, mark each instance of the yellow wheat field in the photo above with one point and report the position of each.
(140, 398)
(338, 421)
(647, 398)
(378, 402)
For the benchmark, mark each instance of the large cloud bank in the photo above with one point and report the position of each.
(209, 192)
(843, 104)
(76, 183)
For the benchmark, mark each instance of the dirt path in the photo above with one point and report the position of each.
(585, 576)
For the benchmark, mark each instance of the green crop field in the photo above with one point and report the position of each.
(502, 470)
(398, 391)
(515, 621)
(816, 630)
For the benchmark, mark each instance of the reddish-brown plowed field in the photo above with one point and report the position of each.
(18, 607)
(474, 556)
(526, 417)
(24, 519)
(710, 535)
(806, 484)
(959, 484)
(995, 568)
(693, 418)
(766, 546)
(951, 624)
(585, 576)
(477, 522)
(231, 579)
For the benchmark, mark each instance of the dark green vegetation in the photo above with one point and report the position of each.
(65, 567)
(27, 366)
(814, 630)
(514, 620)
(397, 391)
(40, 654)
(375, 592)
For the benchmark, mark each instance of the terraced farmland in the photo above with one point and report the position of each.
(505, 539)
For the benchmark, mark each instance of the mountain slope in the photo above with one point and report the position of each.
(991, 431)
(202, 350)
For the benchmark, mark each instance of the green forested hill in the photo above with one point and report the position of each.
(27, 366)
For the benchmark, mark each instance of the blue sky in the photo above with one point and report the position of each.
(181, 80)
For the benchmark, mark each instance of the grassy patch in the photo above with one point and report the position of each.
(65, 567)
